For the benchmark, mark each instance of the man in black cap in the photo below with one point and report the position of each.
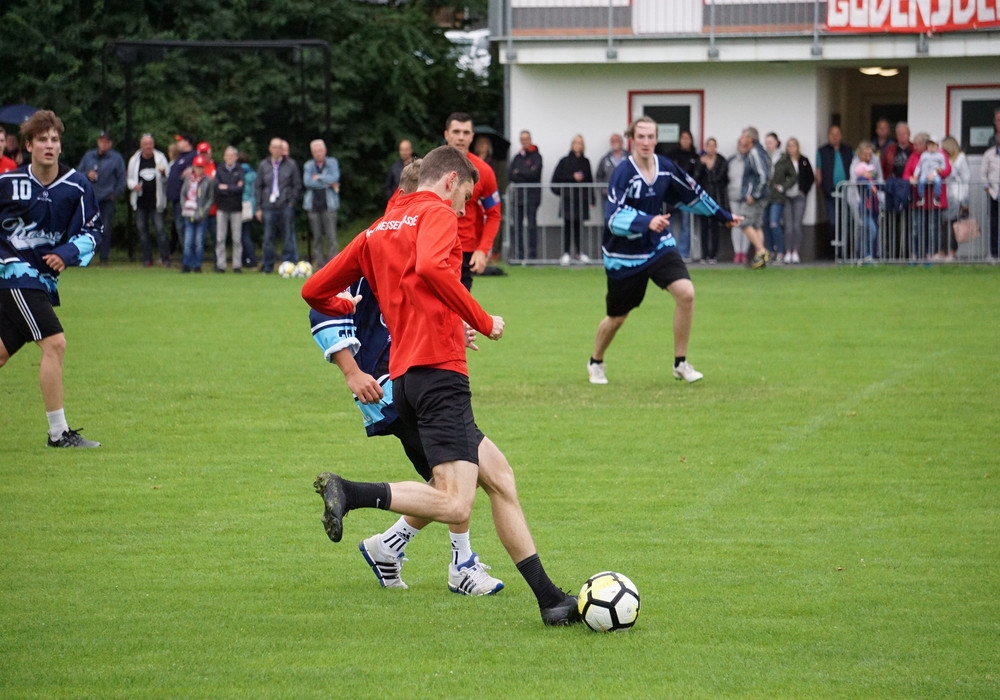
(105, 168)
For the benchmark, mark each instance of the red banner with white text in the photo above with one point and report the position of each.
(914, 16)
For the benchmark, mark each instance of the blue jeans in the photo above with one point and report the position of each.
(924, 232)
(871, 234)
(194, 243)
(681, 224)
(774, 234)
(285, 219)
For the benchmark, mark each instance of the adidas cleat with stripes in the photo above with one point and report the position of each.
(470, 578)
(387, 569)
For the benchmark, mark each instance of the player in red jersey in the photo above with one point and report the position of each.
(411, 257)
(478, 227)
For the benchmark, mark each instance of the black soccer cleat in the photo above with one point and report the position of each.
(72, 438)
(331, 488)
(564, 614)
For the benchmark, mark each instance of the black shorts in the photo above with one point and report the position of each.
(626, 294)
(439, 403)
(409, 438)
(467, 270)
(26, 315)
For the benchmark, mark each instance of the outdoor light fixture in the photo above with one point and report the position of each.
(879, 71)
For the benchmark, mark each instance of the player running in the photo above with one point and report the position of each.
(639, 246)
(49, 220)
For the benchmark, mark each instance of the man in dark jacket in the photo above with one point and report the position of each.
(832, 163)
(175, 176)
(105, 168)
(229, 210)
(526, 170)
(278, 188)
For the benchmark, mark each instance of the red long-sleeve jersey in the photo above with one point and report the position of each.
(479, 227)
(412, 259)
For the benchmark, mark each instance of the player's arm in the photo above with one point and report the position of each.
(322, 289)
(622, 219)
(492, 215)
(83, 234)
(434, 246)
(337, 338)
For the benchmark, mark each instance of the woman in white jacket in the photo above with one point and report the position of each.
(145, 177)
(958, 193)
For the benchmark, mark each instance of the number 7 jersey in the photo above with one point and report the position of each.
(62, 217)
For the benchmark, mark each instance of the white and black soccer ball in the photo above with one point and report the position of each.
(286, 269)
(609, 602)
(302, 269)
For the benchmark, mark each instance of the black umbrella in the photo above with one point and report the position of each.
(499, 144)
(16, 114)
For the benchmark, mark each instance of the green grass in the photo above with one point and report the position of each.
(819, 517)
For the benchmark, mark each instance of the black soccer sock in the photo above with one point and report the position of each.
(595, 362)
(546, 592)
(363, 494)
(679, 360)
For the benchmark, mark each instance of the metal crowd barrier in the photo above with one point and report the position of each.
(872, 228)
(547, 248)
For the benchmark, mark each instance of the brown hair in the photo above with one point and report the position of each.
(40, 122)
(443, 160)
(410, 177)
(644, 119)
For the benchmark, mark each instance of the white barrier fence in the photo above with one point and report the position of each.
(875, 225)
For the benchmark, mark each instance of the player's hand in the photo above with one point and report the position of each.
(750, 199)
(737, 220)
(353, 298)
(259, 215)
(470, 337)
(478, 262)
(659, 223)
(498, 326)
(364, 386)
(55, 262)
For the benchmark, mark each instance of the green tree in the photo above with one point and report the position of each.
(392, 77)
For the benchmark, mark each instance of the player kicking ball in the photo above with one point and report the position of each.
(412, 260)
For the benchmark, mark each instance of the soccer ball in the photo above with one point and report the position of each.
(609, 602)
(303, 269)
(286, 269)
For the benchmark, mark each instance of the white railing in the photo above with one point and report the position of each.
(871, 228)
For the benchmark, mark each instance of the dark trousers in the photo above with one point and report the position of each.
(524, 209)
(142, 219)
(994, 227)
(107, 218)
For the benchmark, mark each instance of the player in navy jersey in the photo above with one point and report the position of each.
(639, 246)
(49, 220)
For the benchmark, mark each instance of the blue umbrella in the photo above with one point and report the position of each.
(16, 114)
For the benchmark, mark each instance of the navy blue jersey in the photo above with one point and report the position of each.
(629, 245)
(367, 337)
(35, 220)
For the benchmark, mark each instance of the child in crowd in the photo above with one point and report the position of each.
(929, 168)
(197, 195)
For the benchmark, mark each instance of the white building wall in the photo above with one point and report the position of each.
(593, 100)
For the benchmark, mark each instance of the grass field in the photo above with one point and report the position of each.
(818, 517)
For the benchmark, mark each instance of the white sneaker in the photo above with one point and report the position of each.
(795, 258)
(387, 569)
(686, 371)
(596, 372)
(584, 259)
(471, 578)
(564, 260)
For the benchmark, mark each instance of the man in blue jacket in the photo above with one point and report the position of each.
(105, 168)
(49, 220)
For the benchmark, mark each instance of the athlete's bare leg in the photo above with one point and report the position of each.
(683, 292)
(606, 331)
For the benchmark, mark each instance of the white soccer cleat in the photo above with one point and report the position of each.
(564, 260)
(470, 578)
(584, 259)
(687, 372)
(596, 372)
(387, 569)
